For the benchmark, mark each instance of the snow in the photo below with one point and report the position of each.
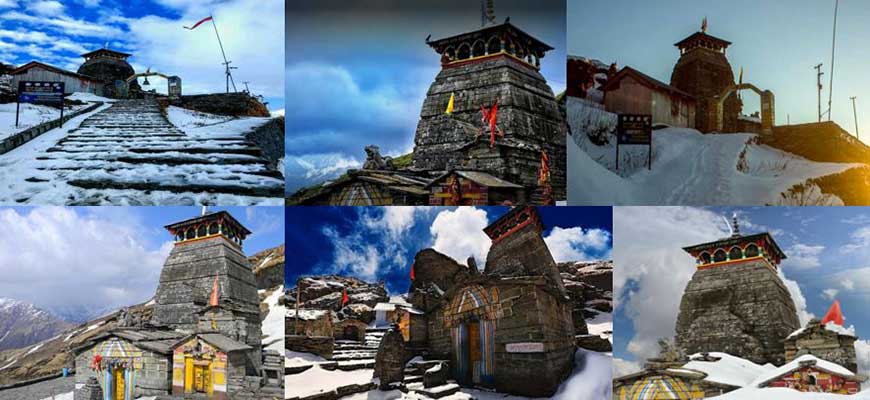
(297, 359)
(6, 334)
(69, 396)
(729, 370)
(385, 307)
(795, 364)
(833, 327)
(306, 315)
(317, 380)
(33, 349)
(30, 115)
(601, 325)
(89, 97)
(9, 365)
(591, 378)
(198, 124)
(436, 368)
(273, 324)
(93, 153)
(95, 326)
(788, 394)
(688, 168)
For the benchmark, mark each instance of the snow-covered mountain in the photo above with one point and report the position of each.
(23, 324)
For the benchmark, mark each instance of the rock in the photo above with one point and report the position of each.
(91, 391)
(594, 343)
(436, 376)
(238, 104)
(435, 273)
(268, 266)
(390, 359)
(374, 161)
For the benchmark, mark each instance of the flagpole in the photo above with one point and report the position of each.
(224, 54)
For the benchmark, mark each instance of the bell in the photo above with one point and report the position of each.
(146, 83)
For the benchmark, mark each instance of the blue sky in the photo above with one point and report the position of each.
(776, 42)
(379, 243)
(828, 250)
(358, 73)
(57, 33)
(99, 257)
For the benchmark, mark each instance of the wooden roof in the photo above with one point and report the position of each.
(733, 240)
(487, 31)
(479, 177)
(34, 64)
(645, 80)
(208, 217)
(702, 37)
(106, 52)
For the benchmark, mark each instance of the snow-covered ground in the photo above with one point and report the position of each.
(29, 115)
(34, 174)
(273, 324)
(69, 396)
(688, 168)
(317, 380)
(788, 394)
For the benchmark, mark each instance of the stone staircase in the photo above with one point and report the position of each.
(132, 146)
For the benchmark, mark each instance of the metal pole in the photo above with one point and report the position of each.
(819, 74)
(833, 46)
(855, 113)
(296, 326)
(224, 54)
(17, 109)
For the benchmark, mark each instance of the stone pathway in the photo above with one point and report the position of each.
(40, 390)
(131, 145)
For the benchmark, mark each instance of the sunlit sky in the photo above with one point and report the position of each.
(776, 42)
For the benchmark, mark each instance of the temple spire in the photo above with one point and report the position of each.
(487, 12)
(735, 228)
(704, 25)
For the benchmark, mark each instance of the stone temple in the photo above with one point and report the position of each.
(736, 302)
(112, 69)
(203, 337)
(460, 156)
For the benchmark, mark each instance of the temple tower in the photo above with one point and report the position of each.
(493, 63)
(704, 72)
(735, 302)
(110, 67)
(206, 248)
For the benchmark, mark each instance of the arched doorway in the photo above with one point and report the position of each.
(767, 106)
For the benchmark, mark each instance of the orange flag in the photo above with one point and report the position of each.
(412, 272)
(344, 297)
(834, 314)
(215, 293)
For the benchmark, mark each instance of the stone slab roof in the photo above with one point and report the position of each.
(158, 341)
(482, 178)
(645, 80)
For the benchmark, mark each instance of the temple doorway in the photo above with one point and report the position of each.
(472, 351)
(119, 384)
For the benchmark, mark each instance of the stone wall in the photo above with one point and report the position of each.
(14, 141)
(270, 139)
(705, 73)
(238, 104)
(524, 253)
(154, 378)
(828, 345)
(320, 345)
(528, 115)
(742, 309)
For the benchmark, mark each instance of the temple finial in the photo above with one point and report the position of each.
(735, 226)
(704, 25)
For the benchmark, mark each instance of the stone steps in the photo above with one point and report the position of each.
(435, 392)
(132, 146)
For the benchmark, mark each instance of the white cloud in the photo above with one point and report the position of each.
(459, 234)
(55, 257)
(395, 220)
(802, 256)
(648, 251)
(800, 302)
(830, 293)
(8, 3)
(860, 240)
(848, 284)
(624, 367)
(862, 352)
(67, 25)
(578, 244)
(45, 7)
(351, 255)
(251, 32)
(317, 166)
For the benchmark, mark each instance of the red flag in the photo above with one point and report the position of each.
(344, 297)
(213, 301)
(834, 314)
(544, 173)
(199, 23)
(412, 272)
(95, 363)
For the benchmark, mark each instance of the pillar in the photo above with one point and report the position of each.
(768, 112)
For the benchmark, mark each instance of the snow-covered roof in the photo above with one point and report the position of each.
(307, 315)
(833, 327)
(385, 307)
(728, 369)
(823, 365)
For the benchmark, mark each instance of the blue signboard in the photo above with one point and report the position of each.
(40, 92)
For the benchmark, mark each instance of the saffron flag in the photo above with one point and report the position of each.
(449, 109)
(199, 23)
(213, 301)
(834, 314)
(544, 174)
(344, 297)
(412, 272)
(493, 119)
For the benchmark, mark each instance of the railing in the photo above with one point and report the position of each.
(17, 140)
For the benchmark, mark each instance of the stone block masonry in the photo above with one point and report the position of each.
(742, 309)
(237, 104)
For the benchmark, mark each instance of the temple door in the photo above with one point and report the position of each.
(118, 389)
(473, 352)
(188, 375)
(201, 379)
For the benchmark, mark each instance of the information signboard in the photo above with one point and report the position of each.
(40, 92)
(634, 129)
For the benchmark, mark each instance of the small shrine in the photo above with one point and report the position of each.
(112, 69)
(205, 362)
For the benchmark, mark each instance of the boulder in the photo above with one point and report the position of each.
(390, 359)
